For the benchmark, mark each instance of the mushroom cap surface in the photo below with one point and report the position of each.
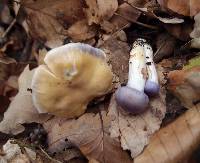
(71, 77)
(132, 100)
(151, 88)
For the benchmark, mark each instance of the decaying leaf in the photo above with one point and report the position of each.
(195, 34)
(194, 43)
(180, 31)
(81, 31)
(13, 154)
(49, 18)
(175, 142)
(100, 10)
(196, 31)
(117, 52)
(90, 134)
(194, 62)
(5, 16)
(21, 109)
(165, 45)
(184, 84)
(170, 20)
(184, 7)
(124, 15)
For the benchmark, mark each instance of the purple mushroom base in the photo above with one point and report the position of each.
(151, 88)
(132, 100)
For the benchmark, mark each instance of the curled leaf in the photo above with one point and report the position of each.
(21, 109)
(90, 134)
(184, 84)
(175, 142)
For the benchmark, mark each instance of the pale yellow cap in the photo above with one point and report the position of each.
(72, 76)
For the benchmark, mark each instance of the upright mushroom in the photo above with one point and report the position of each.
(152, 86)
(132, 97)
(71, 77)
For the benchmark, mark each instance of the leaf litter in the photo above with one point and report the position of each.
(111, 26)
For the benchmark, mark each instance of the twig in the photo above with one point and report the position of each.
(158, 50)
(9, 28)
(102, 128)
(144, 10)
(22, 145)
(139, 23)
(49, 157)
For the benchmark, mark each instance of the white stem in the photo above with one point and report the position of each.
(151, 69)
(137, 65)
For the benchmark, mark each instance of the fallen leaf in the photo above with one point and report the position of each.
(117, 52)
(135, 131)
(196, 31)
(184, 84)
(13, 153)
(123, 15)
(7, 60)
(89, 135)
(81, 31)
(11, 84)
(175, 142)
(170, 20)
(165, 45)
(184, 7)
(21, 109)
(48, 19)
(180, 31)
(100, 10)
(5, 15)
(194, 62)
(194, 43)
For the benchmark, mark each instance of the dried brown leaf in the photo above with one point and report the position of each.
(175, 142)
(135, 131)
(125, 15)
(13, 154)
(7, 60)
(81, 31)
(100, 10)
(165, 45)
(117, 52)
(5, 15)
(170, 20)
(184, 84)
(180, 31)
(196, 31)
(49, 18)
(184, 7)
(89, 135)
(21, 109)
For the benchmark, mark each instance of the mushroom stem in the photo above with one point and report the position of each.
(137, 66)
(152, 85)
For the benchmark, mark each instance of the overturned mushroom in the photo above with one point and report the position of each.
(72, 76)
(132, 97)
(152, 86)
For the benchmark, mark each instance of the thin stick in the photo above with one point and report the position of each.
(49, 157)
(9, 28)
(139, 23)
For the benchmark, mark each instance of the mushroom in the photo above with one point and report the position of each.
(152, 86)
(71, 77)
(132, 97)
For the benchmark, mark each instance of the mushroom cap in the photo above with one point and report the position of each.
(71, 77)
(151, 88)
(132, 100)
